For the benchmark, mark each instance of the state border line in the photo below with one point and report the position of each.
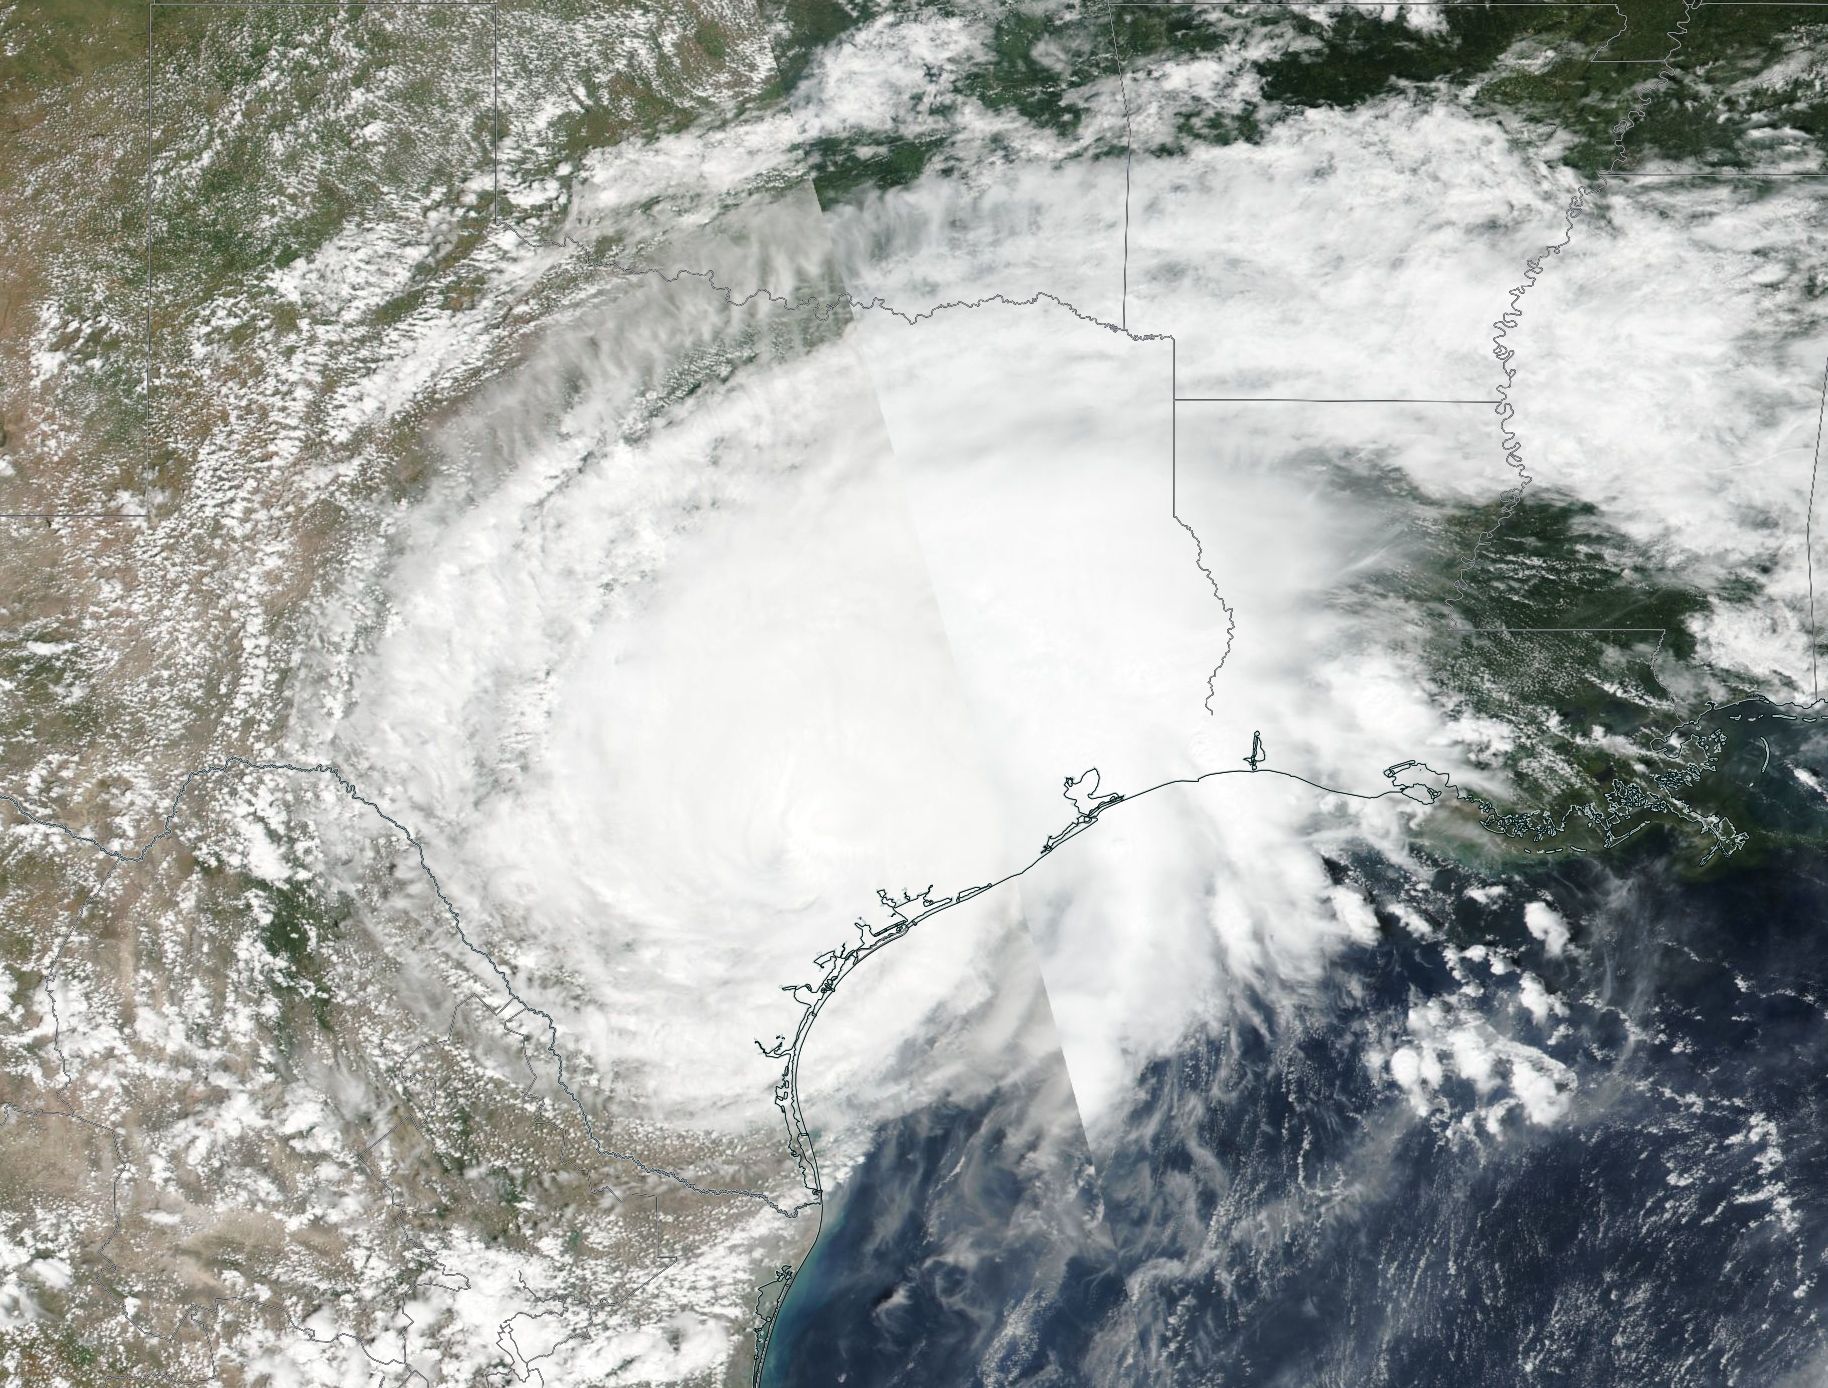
(1815, 467)
(168, 829)
(472, 5)
(1371, 4)
(1378, 4)
(1328, 400)
(838, 963)
(1661, 632)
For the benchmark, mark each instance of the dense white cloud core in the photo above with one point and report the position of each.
(844, 614)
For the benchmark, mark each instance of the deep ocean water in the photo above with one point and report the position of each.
(1282, 1213)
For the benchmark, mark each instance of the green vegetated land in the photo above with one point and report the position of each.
(1575, 71)
(274, 130)
(1570, 73)
(297, 930)
(1587, 712)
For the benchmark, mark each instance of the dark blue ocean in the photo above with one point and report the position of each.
(947, 1257)
(1274, 1211)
